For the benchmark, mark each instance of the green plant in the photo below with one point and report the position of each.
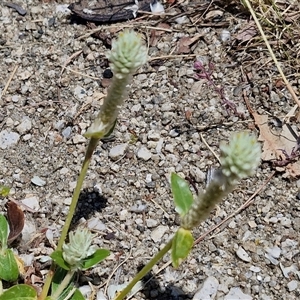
(239, 159)
(127, 54)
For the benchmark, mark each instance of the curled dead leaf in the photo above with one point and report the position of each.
(16, 219)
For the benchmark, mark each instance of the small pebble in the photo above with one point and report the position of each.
(144, 153)
(208, 289)
(78, 139)
(286, 222)
(255, 269)
(236, 293)
(8, 139)
(123, 215)
(32, 202)
(117, 151)
(157, 233)
(243, 255)
(79, 92)
(151, 223)
(67, 132)
(292, 285)
(153, 135)
(275, 251)
(38, 181)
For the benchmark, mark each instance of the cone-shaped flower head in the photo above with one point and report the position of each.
(240, 157)
(128, 53)
(78, 248)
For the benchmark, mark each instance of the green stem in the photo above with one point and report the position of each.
(63, 284)
(145, 270)
(88, 155)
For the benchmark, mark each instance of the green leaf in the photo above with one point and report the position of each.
(59, 276)
(111, 130)
(183, 197)
(181, 246)
(77, 295)
(59, 260)
(94, 259)
(3, 233)
(9, 270)
(19, 292)
(4, 190)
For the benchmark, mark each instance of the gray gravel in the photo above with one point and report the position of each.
(126, 198)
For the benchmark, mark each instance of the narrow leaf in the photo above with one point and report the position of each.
(182, 194)
(181, 246)
(94, 259)
(9, 270)
(3, 233)
(59, 260)
(19, 292)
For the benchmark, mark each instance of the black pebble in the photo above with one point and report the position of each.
(108, 73)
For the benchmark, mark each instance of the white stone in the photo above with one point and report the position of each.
(237, 294)
(117, 151)
(68, 201)
(157, 233)
(271, 258)
(96, 224)
(255, 269)
(151, 223)
(275, 251)
(24, 126)
(32, 202)
(292, 285)
(243, 255)
(286, 222)
(208, 290)
(100, 296)
(8, 139)
(85, 291)
(28, 231)
(123, 215)
(115, 167)
(79, 92)
(153, 135)
(64, 171)
(197, 174)
(290, 269)
(38, 181)
(78, 139)
(144, 153)
(169, 148)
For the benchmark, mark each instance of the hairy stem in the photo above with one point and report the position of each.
(145, 270)
(89, 152)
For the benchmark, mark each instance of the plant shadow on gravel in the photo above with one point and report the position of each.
(89, 202)
(171, 292)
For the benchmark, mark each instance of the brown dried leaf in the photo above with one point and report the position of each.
(275, 142)
(247, 33)
(183, 45)
(214, 14)
(15, 218)
(156, 33)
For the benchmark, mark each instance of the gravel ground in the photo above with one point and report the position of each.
(167, 121)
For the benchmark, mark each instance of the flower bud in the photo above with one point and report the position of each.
(78, 248)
